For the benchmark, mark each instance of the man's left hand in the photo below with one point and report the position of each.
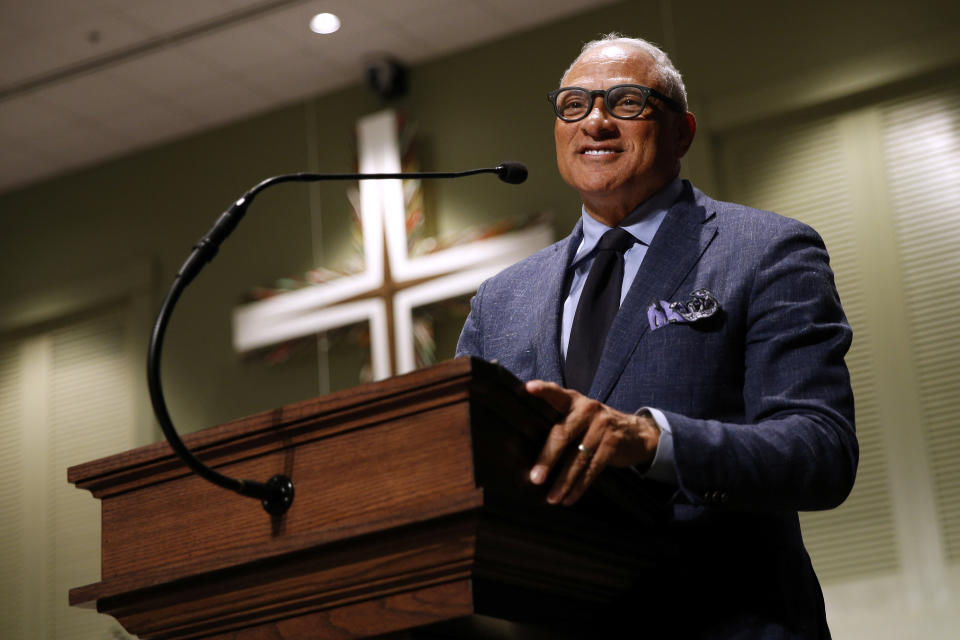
(589, 437)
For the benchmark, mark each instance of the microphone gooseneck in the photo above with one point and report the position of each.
(276, 495)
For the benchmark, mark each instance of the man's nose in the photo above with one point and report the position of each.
(598, 121)
(598, 109)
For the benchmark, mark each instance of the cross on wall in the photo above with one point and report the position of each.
(392, 284)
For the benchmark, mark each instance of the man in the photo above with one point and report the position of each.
(721, 375)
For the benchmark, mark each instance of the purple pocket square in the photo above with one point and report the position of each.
(702, 304)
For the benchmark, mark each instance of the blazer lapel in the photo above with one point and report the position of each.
(552, 289)
(684, 235)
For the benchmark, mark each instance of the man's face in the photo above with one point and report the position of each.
(617, 164)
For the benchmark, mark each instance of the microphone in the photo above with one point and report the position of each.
(277, 493)
(512, 172)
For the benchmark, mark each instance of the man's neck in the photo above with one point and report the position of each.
(612, 210)
(611, 216)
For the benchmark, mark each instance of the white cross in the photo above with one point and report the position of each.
(452, 272)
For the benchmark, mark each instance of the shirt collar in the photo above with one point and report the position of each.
(642, 223)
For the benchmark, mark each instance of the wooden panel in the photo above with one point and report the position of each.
(376, 473)
(330, 581)
(370, 618)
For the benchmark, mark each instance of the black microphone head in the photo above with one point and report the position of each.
(512, 172)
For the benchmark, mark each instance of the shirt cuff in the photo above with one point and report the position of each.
(663, 468)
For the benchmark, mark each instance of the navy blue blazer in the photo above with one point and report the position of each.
(758, 398)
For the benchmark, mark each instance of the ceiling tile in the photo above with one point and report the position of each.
(236, 48)
(101, 92)
(296, 76)
(30, 116)
(23, 163)
(364, 31)
(222, 101)
(528, 14)
(445, 28)
(174, 15)
(93, 35)
(41, 15)
(67, 139)
(168, 72)
(21, 57)
(35, 53)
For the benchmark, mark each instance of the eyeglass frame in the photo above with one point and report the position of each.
(593, 93)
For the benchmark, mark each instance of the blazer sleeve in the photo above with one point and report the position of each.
(471, 336)
(796, 448)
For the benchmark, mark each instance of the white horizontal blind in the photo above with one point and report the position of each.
(11, 488)
(921, 138)
(91, 415)
(802, 171)
(66, 396)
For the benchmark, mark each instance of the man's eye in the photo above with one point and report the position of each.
(629, 99)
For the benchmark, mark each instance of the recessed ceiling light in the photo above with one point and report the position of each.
(324, 23)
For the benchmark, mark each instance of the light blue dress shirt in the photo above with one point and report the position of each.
(642, 223)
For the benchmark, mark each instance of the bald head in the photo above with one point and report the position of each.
(668, 79)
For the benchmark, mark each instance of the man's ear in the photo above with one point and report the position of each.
(686, 129)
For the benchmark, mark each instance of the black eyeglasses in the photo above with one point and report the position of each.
(623, 101)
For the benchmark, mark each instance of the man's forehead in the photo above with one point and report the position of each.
(615, 57)
(618, 51)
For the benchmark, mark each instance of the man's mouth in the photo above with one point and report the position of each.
(598, 152)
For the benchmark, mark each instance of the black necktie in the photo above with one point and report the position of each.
(599, 303)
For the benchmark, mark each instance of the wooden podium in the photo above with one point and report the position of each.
(413, 517)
